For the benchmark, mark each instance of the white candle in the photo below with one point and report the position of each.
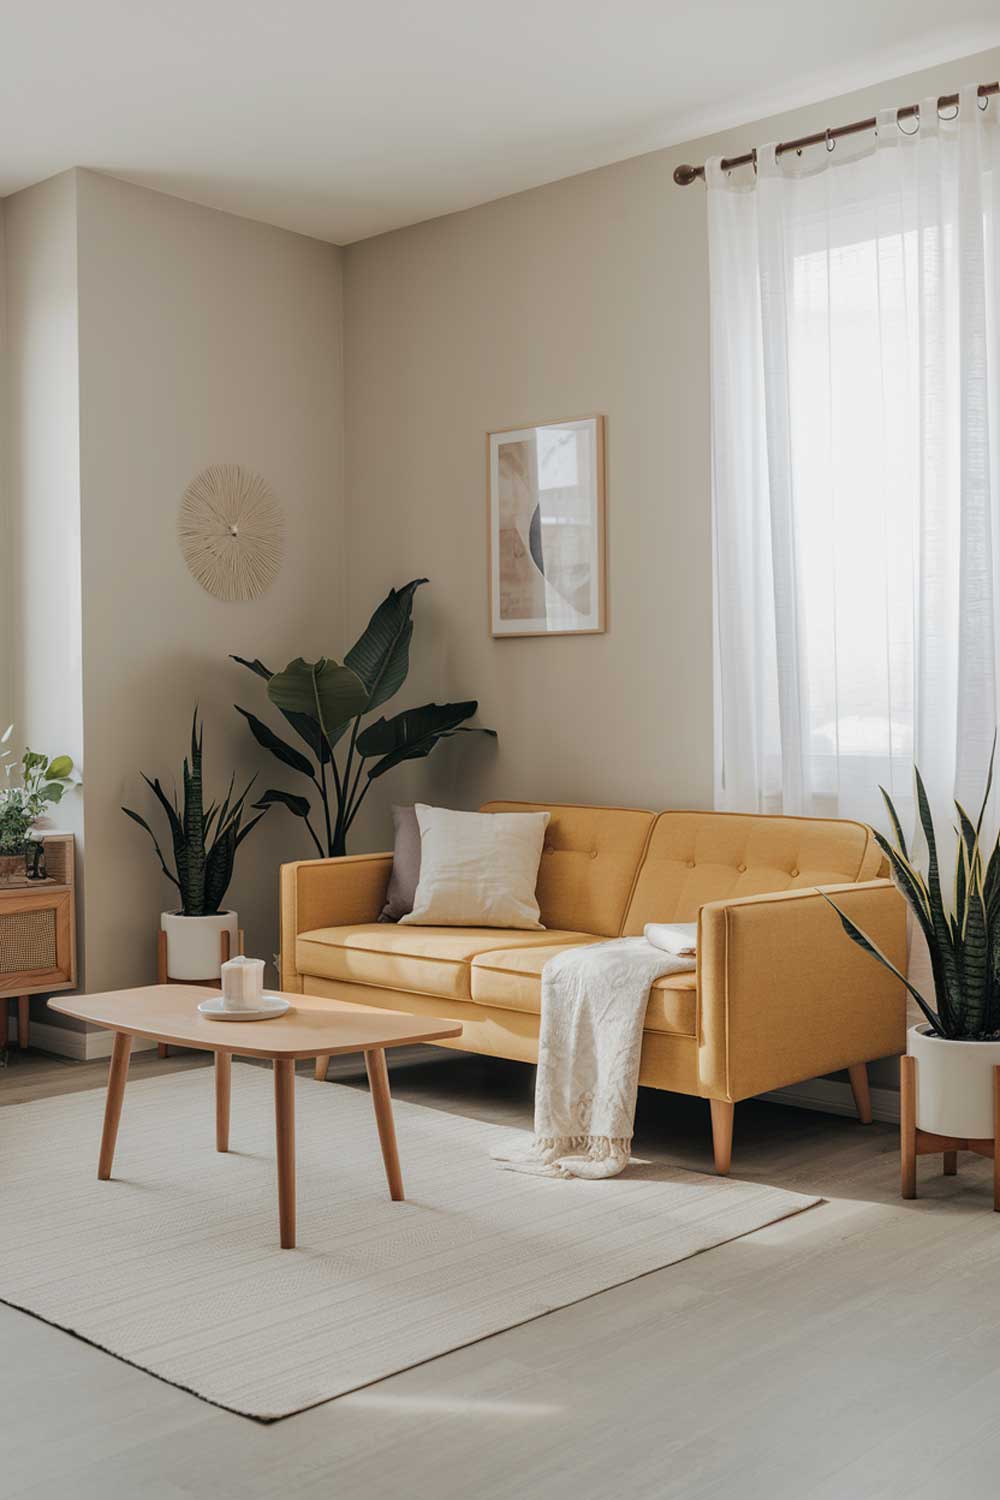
(242, 983)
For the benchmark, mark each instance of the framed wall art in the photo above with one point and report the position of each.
(546, 524)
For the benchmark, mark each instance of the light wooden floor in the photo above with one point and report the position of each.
(852, 1351)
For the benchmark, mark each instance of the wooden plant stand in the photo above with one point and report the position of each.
(162, 977)
(915, 1142)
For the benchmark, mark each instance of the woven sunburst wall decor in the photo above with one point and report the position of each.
(231, 532)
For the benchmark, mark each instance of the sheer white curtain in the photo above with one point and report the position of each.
(856, 399)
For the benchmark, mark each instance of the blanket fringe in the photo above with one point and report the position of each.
(570, 1156)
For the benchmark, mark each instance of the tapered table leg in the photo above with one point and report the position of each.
(284, 1128)
(117, 1075)
(378, 1080)
(22, 1022)
(907, 1127)
(223, 1094)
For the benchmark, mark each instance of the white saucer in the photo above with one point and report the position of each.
(270, 1006)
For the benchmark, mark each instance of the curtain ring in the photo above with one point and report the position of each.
(753, 153)
(830, 144)
(948, 117)
(914, 131)
(984, 102)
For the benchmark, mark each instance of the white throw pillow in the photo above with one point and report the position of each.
(477, 869)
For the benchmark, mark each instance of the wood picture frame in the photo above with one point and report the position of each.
(547, 567)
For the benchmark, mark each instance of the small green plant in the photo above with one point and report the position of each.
(326, 700)
(963, 938)
(205, 840)
(42, 784)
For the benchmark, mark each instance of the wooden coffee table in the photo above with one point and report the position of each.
(312, 1028)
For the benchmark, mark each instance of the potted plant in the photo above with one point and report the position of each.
(205, 841)
(325, 701)
(957, 1046)
(42, 784)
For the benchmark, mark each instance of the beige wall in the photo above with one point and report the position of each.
(204, 338)
(587, 295)
(147, 338)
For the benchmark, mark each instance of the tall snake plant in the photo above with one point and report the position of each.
(963, 938)
(205, 839)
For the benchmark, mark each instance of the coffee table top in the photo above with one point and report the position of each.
(313, 1027)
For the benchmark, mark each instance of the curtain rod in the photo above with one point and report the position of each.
(685, 175)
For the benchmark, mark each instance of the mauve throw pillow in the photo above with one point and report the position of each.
(405, 865)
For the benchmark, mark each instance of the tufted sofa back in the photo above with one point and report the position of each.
(696, 857)
(589, 863)
(610, 870)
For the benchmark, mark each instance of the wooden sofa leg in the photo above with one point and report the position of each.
(858, 1074)
(322, 1063)
(722, 1134)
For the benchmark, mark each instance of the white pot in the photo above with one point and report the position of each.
(954, 1084)
(194, 944)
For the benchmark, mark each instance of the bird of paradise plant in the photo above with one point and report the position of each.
(963, 937)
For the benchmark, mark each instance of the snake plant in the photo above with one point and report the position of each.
(963, 936)
(205, 840)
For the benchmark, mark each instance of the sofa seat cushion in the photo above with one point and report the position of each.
(511, 979)
(424, 960)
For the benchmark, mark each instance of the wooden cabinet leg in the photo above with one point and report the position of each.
(950, 1163)
(284, 1131)
(117, 1076)
(858, 1074)
(722, 1134)
(162, 1050)
(322, 1063)
(378, 1082)
(22, 1022)
(908, 1127)
(223, 1094)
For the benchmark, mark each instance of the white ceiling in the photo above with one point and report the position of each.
(343, 120)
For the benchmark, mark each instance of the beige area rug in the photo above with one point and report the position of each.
(174, 1265)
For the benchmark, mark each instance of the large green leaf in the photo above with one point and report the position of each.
(278, 747)
(412, 734)
(323, 690)
(58, 769)
(305, 725)
(297, 805)
(256, 666)
(381, 656)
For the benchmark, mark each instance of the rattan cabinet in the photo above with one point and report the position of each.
(38, 932)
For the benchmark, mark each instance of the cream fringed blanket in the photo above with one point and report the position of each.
(593, 1007)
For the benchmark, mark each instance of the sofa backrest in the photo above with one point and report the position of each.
(696, 857)
(589, 863)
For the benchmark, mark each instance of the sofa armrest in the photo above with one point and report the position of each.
(328, 893)
(785, 995)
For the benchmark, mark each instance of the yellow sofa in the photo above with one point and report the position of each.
(780, 993)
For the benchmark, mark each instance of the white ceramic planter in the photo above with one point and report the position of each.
(194, 944)
(954, 1084)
